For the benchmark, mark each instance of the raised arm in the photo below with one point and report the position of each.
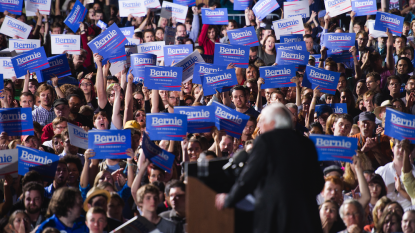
(101, 93)
(84, 180)
(356, 62)
(247, 22)
(128, 108)
(137, 180)
(56, 87)
(258, 103)
(8, 197)
(26, 82)
(310, 117)
(363, 186)
(116, 116)
(155, 101)
(130, 165)
(58, 7)
(195, 25)
(390, 61)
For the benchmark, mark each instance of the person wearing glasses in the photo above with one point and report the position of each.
(352, 214)
(173, 98)
(58, 124)
(68, 148)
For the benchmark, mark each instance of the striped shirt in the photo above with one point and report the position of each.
(43, 116)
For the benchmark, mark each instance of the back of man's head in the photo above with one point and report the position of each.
(278, 114)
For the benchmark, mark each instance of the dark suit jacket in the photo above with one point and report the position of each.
(284, 174)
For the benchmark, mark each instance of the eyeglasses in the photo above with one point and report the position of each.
(352, 214)
(393, 84)
(60, 127)
(139, 99)
(56, 143)
(86, 84)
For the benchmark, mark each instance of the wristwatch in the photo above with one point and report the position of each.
(321, 59)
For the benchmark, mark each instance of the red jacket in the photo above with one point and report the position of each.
(204, 41)
(48, 131)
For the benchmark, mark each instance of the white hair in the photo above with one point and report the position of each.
(278, 113)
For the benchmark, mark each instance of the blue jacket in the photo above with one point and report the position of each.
(78, 227)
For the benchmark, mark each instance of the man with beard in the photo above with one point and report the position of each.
(239, 99)
(248, 130)
(61, 175)
(33, 198)
(173, 98)
(409, 98)
(403, 68)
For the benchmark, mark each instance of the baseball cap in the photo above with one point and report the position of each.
(59, 102)
(133, 124)
(311, 58)
(367, 116)
(333, 168)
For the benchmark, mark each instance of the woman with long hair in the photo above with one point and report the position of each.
(208, 37)
(378, 190)
(87, 86)
(267, 52)
(350, 176)
(19, 222)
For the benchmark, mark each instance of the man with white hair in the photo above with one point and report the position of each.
(352, 214)
(274, 184)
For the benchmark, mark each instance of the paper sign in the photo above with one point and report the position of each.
(391, 21)
(243, 36)
(117, 67)
(8, 163)
(337, 108)
(297, 8)
(241, 5)
(293, 25)
(139, 62)
(202, 69)
(40, 161)
(153, 48)
(156, 155)
(59, 66)
(342, 41)
(70, 44)
(33, 5)
(152, 4)
(337, 7)
(76, 16)
(327, 80)
(13, 27)
(6, 68)
(134, 7)
(364, 7)
(188, 65)
(169, 35)
(213, 82)
(23, 45)
(375, 33)
(176, 53)
(33, 60)
(334, 148)
(293, 46)
(78, 136)
(188, 3)
(102, 25)
(277, 76)
(400, 125)
(291, 38)
(177, 11)
(12, 6)
(288, 57)
(229, 120)
(227, 53)
(163, 78)
(128, 32)
(200, 119)
(109, 144)
(166, 126)
(218, 16)
(264, 7)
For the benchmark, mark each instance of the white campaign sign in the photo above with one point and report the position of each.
(298, 8)
(6, 68)
(375, 33)
(133, 7)
(178, 11)
(117, 67)
(23, 45)
(337, 7)
(293, 25)
(33, 5)
(78, 136)
(188, 65)
(13, 27)
(69, 43)
(156, 48)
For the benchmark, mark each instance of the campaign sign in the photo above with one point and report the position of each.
(202, 69)
(166, 126)
(32, 60)
(228, 53)
(138, 62)
(229, 120)
(102, 25)
(293, 46)
(340, 56)
(200, 119)
(297, 8)
(59, 66)
(176, 10)
(207, 58)
(33, 5)
(364, 7)
(339, 40)
(391, 21)
(163, 78)
(293, 25)
(188, 3)
(169, 35)
(134, 7)
(156, 155)
(132, 42)
(109, 44)
(16, 121)
(334, 148)
(12, 6)
(188, 65)
(327, 80)
(218, 16)
(290, 38)
(9, 163)
(78, 136)
(40, 161)
(241, 5)
(153, 48)
(337, 108)
(152, 4)
(128, 32)
(70, 44)
(117, 67)
(400, 125)
(109, 144)
(76, 16)
(6, 68)
(277, 76)
(264, 7)
(213, 82)
(337, 7)
(129, 50)
(289, 57)
(23, 45)
(243, 36)
(13, 27)
(375, 33)
(176, 53)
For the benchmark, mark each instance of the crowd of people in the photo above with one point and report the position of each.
(373, 193)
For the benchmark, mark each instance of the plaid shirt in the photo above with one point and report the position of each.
(43, 116)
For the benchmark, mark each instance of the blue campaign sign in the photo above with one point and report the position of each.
(334, 148)
(109, 144)
(317, 57)
(291, 38)
(2, 82)
(188, 3)
(128, 32)
(228, 53)
(241, 5)
(218, 16)
(243, 36)
(340, 56)
(166, 126)
(12, 6)
(59, 66)
(16, 121)
(277, 76)
(110, 44)
(176, 53)
(213, 82)
(200, 119)
(76, 16)
(400, 125)
(139, 62)
(102, 25)
(202, 69)
(264, 8)
(229, 120)
(207, 58)
(327, 80)
(337, 108)
(163, 78)
(339, 40)
(289, 57)
(391, 21)
(156, 155)
(364, 7)
(31, 159)
(32, 60)
(292, 46)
